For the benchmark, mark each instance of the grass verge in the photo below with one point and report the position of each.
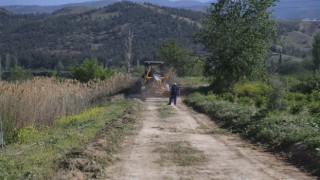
(46, 151)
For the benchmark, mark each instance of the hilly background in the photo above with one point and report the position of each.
(69, 35)
(285, 9)
(31, 8)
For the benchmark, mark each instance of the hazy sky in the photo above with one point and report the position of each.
(38, 2)
(48, 2)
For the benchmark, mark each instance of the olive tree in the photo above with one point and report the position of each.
(238, 34)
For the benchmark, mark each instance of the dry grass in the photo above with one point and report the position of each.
(42, 100)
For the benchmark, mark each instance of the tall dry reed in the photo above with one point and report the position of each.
(42, 100)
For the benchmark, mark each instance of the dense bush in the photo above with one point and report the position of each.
(252, 89)
(309, 85)
(296, 108)
(255, 93)
(231, 115)
(91, 69)
(314, 108)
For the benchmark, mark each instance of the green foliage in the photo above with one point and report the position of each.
(276, 129)
(184, 62)
(27, 134)
(171, 53)
(90, 70)
(233, 116)
(245, 101)
(295, 97)
(228, 97)
(252, 89)
(42, 40)
(316, 51)
(255, 93)
(292, 67)
(238, 34)
(309, 85)
(315, 96)
(19, 74)
(189, 81)
(296, 108)
(282, 131)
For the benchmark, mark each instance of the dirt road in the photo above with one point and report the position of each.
(177, 143)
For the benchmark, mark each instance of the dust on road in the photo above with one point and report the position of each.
(176, 143)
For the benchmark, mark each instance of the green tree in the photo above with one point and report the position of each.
(171, 52)
(91, 69)
(238, 33)
(184, 61)
(316, 51)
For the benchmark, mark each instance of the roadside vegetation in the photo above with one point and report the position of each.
(250, 91)
(271, 101)
(41, 153)
(40, 101)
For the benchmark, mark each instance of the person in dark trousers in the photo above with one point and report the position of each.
(174, 93)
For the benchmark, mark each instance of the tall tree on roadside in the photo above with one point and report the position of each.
(238, 33)
(316, 51)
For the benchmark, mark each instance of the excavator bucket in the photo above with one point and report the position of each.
(155, 80)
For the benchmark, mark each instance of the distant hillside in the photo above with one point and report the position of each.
(73, 10)
(284, 9)
(20, 9)
(298, 36)
(27, 9)
(43, 40)
(3, 11)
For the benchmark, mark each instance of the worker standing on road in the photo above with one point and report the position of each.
(175, 91)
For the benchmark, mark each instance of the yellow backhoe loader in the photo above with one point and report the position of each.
(156, 79)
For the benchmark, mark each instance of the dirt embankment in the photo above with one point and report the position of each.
(177, 143)
(89, 162)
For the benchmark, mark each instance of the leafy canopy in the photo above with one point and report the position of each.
(89, 70)
(316, 51)
(238, 34)
(184, 61)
